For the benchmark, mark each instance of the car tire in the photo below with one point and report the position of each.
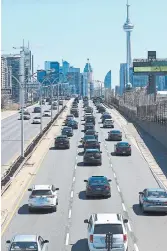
(54, 209)
(57, 202)
(30, 209)
(142, 208)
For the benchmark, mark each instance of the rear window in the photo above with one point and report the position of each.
(97, 181)
(37, 118)
(41, 192)
(115, 132)
(106, 228)
(123, 144)
(26, 246)
(157, 194)
(95, 154)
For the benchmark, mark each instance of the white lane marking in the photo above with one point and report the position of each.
(75, 166)
(118, 188)
(110, 164)
(129, 226)
(72, 194)
(123, 206)
(76, 157)
(115, 175)
(69, 214)
(67, 238)
(136, 247)
(73, 179)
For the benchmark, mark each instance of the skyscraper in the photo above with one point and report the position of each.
(107, 80)
(122, 77)
(128, 27)
(65, 67)
(87, 80)
(75, 79)
(53, 65)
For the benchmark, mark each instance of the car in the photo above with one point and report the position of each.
(90, 119)
(100, 224)
(22, 242)
(105, 116)
(54, 107)
(47, 113)
(108, 123)
(36, 120)
(88, 109)
(62, 142)
(73, 124)
(153, 200)
(68, 120)
(92, 132)
(54, 103)
(92, 156)
(115, 135)
(43, 197)
(91, 144)
(37, 109)
(60, 102)
(67, 131)
(98, 186)
(123, 148)
(24, 110)
(101, 109)
(86, 137)
(75, 112)
(43, 102)
(89, 126)
(26, 115)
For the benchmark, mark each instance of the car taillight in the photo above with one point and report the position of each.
(107, 187)
(86, 144)
(91, 238)
(165, 202)
(125, 237)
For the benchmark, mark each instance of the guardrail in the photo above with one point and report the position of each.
(6, 180)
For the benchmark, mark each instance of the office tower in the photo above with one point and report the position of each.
(87, 79)
(122, 75)
(74, 79)
(65, 67)
(107, 80)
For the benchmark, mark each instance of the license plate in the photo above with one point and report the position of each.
(98, 189)
(124, 152)
(158, 203)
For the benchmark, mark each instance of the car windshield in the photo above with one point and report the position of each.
(66, 129)
(122, 144)
(95, 154)
(37, 118)
(89, 137)
(24, 246)
(98, 181)
(106, 228)
(41, 192)
(90, 132)
(157, 194)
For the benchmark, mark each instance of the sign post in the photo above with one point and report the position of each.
(109, 241)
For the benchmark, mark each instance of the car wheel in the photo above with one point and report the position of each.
(54, 208)
(57, 202)
(142, 208)
(30, 209)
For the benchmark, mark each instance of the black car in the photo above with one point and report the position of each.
(73, 124)
(67, 131)
(37, 109)
(90, 119)
(62, 142)
(115, 135)
(89, 110)
(105, 116)
(75, 112)
(101, 109)
(92, 132)
(92, 157)
(91, 144)
(89, 126)
(123, 148)
(98, 186)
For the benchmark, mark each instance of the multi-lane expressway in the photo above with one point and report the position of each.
(65, 229)
(11, 135)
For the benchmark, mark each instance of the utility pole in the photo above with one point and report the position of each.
(22, 79)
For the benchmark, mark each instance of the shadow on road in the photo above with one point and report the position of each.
(24, 210)
(138, 211)
(82, 196)
(81, 245)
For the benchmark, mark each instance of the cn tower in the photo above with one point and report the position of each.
(128, 28)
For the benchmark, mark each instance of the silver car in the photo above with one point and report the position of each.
(43, 197)
(28, 242)
(153, 199)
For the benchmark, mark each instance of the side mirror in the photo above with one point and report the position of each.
(109, 180)
(57, 189)
(125, 221)
(100, 151)
(46, 241)
(8, 241)
(141, 193)
(85, 181)
(29, 189)
(86, 221)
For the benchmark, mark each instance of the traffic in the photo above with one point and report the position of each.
(102, 172)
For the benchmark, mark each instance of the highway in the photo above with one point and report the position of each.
(65, 229)
(11, 134)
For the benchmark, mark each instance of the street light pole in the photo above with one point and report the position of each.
(58, 96)
(51, 101)
(41, 107)
(22, 99)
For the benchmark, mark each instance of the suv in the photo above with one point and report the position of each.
(91, 144)
(43, 197)
(62, 142)
(101, 224)
(92, 157)
(37, 109)
(90, 119)
(108, 123)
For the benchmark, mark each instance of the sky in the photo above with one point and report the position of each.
(74, 30)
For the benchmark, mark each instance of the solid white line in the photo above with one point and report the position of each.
(75, 166)
(118, 188)
(69, 214)
(73, 179)
(124, 208)
(115, 175)
(129, 226)
(67, 238)
(136, 247)
(72, 194)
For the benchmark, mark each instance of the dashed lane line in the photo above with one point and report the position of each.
(118, 189)
(136, 247)
(73, 179)
(72, 194)
(123, 206)
(115, 175)
(69, 214)
(67, 239)
(129, 227)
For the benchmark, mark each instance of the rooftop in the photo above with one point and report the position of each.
(27, 238)
(42, 187)
(108, 218)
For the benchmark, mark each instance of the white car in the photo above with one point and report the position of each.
(36, 120)
(108, 123)
(43, 197)
(47, 114)
(99, 225)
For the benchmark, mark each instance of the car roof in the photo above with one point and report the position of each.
(97, 177)
(115, 131)
(91, 140)
(25, 237)
(92, 150)
(89, 136)
(108, 218)
(122, 143)
(42, 187)
(108, 119)
(155, 190)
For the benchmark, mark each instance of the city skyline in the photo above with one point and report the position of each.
(76, 50)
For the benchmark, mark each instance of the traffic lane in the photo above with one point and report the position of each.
(57, 168)
(82, 207)
(133, 176)
(11, 142)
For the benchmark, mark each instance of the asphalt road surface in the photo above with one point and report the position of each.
(11, 134)
(65, 229)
